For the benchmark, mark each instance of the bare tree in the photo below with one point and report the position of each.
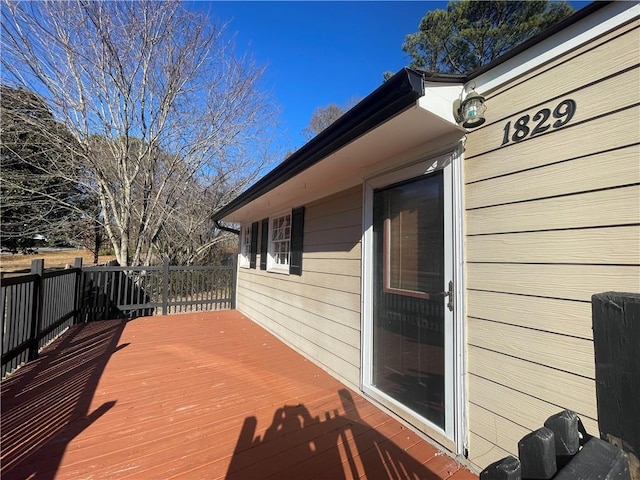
(322, 117)
(159, 106)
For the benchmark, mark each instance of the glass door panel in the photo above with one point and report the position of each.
(408, 311)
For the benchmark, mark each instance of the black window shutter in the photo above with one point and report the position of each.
(297, 230)
(254, 244)
(264, 243)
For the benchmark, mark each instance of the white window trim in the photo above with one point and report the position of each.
(245, 248)
(272, 266)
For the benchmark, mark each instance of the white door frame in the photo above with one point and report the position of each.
(454, 435)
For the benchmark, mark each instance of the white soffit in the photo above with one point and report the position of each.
(590, 27)
(428, 124)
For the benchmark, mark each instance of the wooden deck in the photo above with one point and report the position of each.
(207, 395)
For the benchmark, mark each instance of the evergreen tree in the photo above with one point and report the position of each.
(469, 34)
(34, 202)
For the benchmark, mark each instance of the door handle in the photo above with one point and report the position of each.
(448, 293)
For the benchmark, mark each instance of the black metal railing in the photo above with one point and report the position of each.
(38, 307)
(129, 292)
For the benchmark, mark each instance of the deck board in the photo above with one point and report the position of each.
(206, 395)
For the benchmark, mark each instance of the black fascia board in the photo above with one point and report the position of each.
(398, 93)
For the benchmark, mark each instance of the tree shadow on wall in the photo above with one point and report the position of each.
(338, 446)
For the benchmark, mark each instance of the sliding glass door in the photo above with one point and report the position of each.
(409, 363)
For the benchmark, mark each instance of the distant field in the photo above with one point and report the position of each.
(55, 259)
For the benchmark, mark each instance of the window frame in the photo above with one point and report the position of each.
(272, 266)
(296, 242)
(245, 246)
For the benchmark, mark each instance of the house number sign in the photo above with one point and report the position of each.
(543, 120)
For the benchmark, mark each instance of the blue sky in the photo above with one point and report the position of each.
(318, 53)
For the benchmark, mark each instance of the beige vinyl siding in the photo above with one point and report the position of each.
(549, 221)
(317, 313)
(525, 155)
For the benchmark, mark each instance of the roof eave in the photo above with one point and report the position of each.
(394, 96)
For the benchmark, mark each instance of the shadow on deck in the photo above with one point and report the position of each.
(46, 404)
(207, 395)
(337, 447)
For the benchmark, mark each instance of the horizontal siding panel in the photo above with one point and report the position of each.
(611, 57)
(342, 324)
(547, 226)
(496, 429)
(483, 453)
(287, 286)
(565, 317)
(339, 267)
(313, 327)
(599, 135)
(573, 282)
(592, 101)
(343, 283)
(619, 206)
(571, 354)
(329, 360)
(525, 410)
(347, 218)
(610, 245)
(486, 438)
(501, 431)
(341, 201)
(333, 252)
(612, 35)
(579, 175)
(559, 388)
(331, 281)
(345, 235)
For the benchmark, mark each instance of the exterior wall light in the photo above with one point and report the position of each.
(470, 111)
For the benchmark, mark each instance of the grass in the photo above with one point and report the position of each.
(57, 259)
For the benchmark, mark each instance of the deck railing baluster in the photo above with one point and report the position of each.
(39, 307)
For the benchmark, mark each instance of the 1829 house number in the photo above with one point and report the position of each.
(543, 120)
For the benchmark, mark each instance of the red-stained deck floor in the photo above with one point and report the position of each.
(207, 395)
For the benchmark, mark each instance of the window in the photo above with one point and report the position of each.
(249, 245)
(285, 242)
(413, 238)
(245, 246)
(280, 242)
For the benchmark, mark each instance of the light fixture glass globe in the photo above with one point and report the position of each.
(473, 109)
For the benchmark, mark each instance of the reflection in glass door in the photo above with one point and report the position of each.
(408, 295)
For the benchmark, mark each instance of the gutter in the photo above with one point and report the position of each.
(391, 98)
(219, 226)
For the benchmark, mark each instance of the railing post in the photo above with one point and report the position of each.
(165, 287)
(616, 335)
(77, 304)
(37, 268)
